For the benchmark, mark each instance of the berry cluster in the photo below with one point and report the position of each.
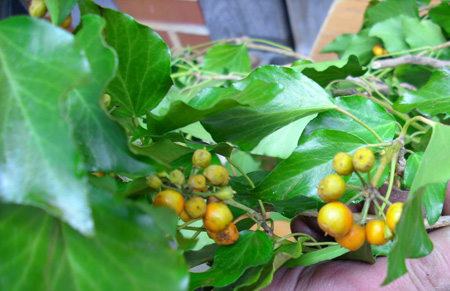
(336, 219)
(201, 198)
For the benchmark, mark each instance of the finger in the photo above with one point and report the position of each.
(428, 273)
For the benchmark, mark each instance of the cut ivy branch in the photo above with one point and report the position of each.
(410, 59)
(359, 121)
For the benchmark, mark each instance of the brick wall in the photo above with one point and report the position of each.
(179, 22)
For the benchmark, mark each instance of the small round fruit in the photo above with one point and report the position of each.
(217, 217)
(217, 175)
(197, 182)
(195, 207)
(177, 177)
(375, 232)
(201, 158)
(153, 182)
(225, 193)
(378, 50)
(184, 216)
(171, 199)
(335, 219)
(363, 160)
(393, 215)
(67, 22)
(331, 188)
(37, 8)
(354, 239)
(227, 237)
(343, 164)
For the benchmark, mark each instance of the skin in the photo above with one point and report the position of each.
(428, 273)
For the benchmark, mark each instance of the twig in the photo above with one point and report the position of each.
(410, 59)
(267, 48)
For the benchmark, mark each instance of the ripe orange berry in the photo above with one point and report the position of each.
(363, 160)
(343, 164)
(217, 217)
(335, 219)
(217, 175)
(331, 188)
(375, 232)
(171, 199)
(201, 158)
(195, 207)
(378, 50)
(393, 215)
(227, 237)
(354, 239)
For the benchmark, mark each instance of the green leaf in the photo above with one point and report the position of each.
(108, 151)
(246, 127)
(294, 206)
(143, 76)
(209, 102)
(245, 161)
(439, 15)
(39, 252)
(164, 151)
(390, 31)
(339, 44)
(422, 33)
(433, 98)
(390, 9)
(434, 194)
(230, 262)
(316, 256)
(60, 9)
(39, 164)
(371, 113)
(249, 277)
(227, 58)
(431, 171)
(325, 72)
(300, 174)
(282, 143)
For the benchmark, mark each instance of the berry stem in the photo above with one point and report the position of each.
(316, 244)
(365, 210)
(354, 198)
(194, 228)
(261, 220)
(379, 210)
(412, 121)
(386, 159)
(300, 234)
(185, 225)
(391, 180)
(242, 172)
(360, 177)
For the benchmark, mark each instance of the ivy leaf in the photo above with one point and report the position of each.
(60, 9)
(143, 75)
(420, 33)
(325, 72)
(390, 31)
(314, 257)
(247, 126)
(230, 262)
(227, 58)
(310, 162)
(127, 246)
(431, 171)
(290, 208)
(433, 98)
(39, 164)
(108, 151)
(209, 102)
(390, 9)
(371, 113)
(439, 15)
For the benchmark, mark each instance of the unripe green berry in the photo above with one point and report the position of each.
(201, 158)
(343, 164)
(225, 193)
(37, 8)
(363, 160)
(177, 177)
(154, 182)
(217, 175)
(331, 188)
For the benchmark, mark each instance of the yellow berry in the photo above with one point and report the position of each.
(177, 177)
(343, 164)
(393, 215)
(217, 175)
(217, 217)
(37, 8)
(375, 232)
(171, 199)
(197, 182)
(201, 158)
(331, 188)
(363, 160)
(195, 207)
(335, 219)
(154, 182)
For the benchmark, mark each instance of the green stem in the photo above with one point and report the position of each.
(353, 198)
(359, 121)
(360, 177)
(379, 145)
(263, 210)
(382, 198)
(242, 172)
(386, 159)
(251, 213)
(330, 243)
(194, 228)
(391, 180)
(196, 234)
(380, 211)
(183, 226)
(354, 187)
(271, 43)
(295, 234)
(377, 91)
(411, 121)
(365, 210)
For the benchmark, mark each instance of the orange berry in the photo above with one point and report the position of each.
(227, 237)
(375, 232)
(217, 217)
(335, 219)
(354, 239)
(171, 199)
(378, 50)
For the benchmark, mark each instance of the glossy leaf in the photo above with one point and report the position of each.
(439, 15)
(227, 58)
(127, 245)
(59, 9)
(434, 194)
(247, 126)
(143, 75)
(433, 98)
(372, 114)
(108, 151)
(422, 33)
(294, 206)
(39, 164)
(325, 72)
(390, 9)
(209, 102)
(230, 262)
(300, 174)
(316, 256)
(390, 31)
(431, 171)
